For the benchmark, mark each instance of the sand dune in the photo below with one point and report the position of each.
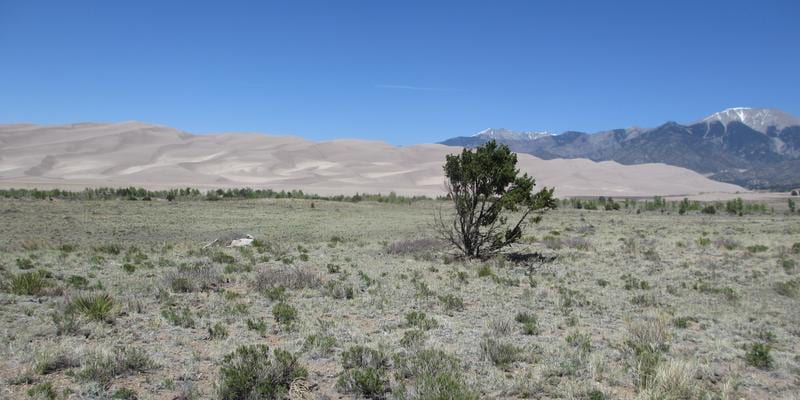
(134, 153)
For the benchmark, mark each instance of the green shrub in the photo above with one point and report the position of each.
(25, 263)
(757, 248)
(67, 248)
(530, 324)
(259, 325)
(124, 394)
(319, 343)
(276, 293)
(431, 375)
(339, 290)
(217, 331)
(451, 302)
(28, 283)
(420, 320)
(110, 248)
(251, 372)
(179, 317)
(758, 355)
(284, 313)
(413, 338)
(78, 282)
(222, 258)
(43, 391)
(129, 268)
(97, 307)
(796, 248)
(789, 288)
(365, 372)
(485, 270)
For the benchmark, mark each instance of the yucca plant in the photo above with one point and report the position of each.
(97, 307)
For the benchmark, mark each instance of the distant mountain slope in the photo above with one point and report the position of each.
(752, 147)
(154, 156)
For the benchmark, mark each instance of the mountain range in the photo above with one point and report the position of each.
(74, 156)
(758, 148)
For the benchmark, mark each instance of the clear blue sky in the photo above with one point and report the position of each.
(400, 71)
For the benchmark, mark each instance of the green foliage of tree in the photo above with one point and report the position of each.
(485, 186)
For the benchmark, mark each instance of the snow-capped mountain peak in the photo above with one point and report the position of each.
(759, 119)
(506, 134)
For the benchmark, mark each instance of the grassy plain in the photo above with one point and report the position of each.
(118, 298)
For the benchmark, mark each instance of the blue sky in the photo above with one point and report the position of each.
(400, 71)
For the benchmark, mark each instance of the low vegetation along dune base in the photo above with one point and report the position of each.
(119, 299)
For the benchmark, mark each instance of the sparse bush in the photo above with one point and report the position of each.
(758, 355)
(96, 307)
(191, 278)
(727, 244)
(413, 338)
(251, 372)
(53, 359)
(789, 288)
(284, 313)
(259, 325)
(757, 248)
(339, 290)
(796, 248)
(221, 257)
(414, 247)
(431, 375)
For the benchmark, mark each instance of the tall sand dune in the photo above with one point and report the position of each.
(152, 156)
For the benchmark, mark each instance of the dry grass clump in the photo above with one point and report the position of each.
(270, 278)
(414, 247)
(50, 359)
(500, 352)
(672, 380)
(103, 366)
(192, 278)
(648, 339)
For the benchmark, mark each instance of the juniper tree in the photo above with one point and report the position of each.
(485, 187)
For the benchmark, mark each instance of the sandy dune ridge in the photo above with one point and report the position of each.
(152, 156)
